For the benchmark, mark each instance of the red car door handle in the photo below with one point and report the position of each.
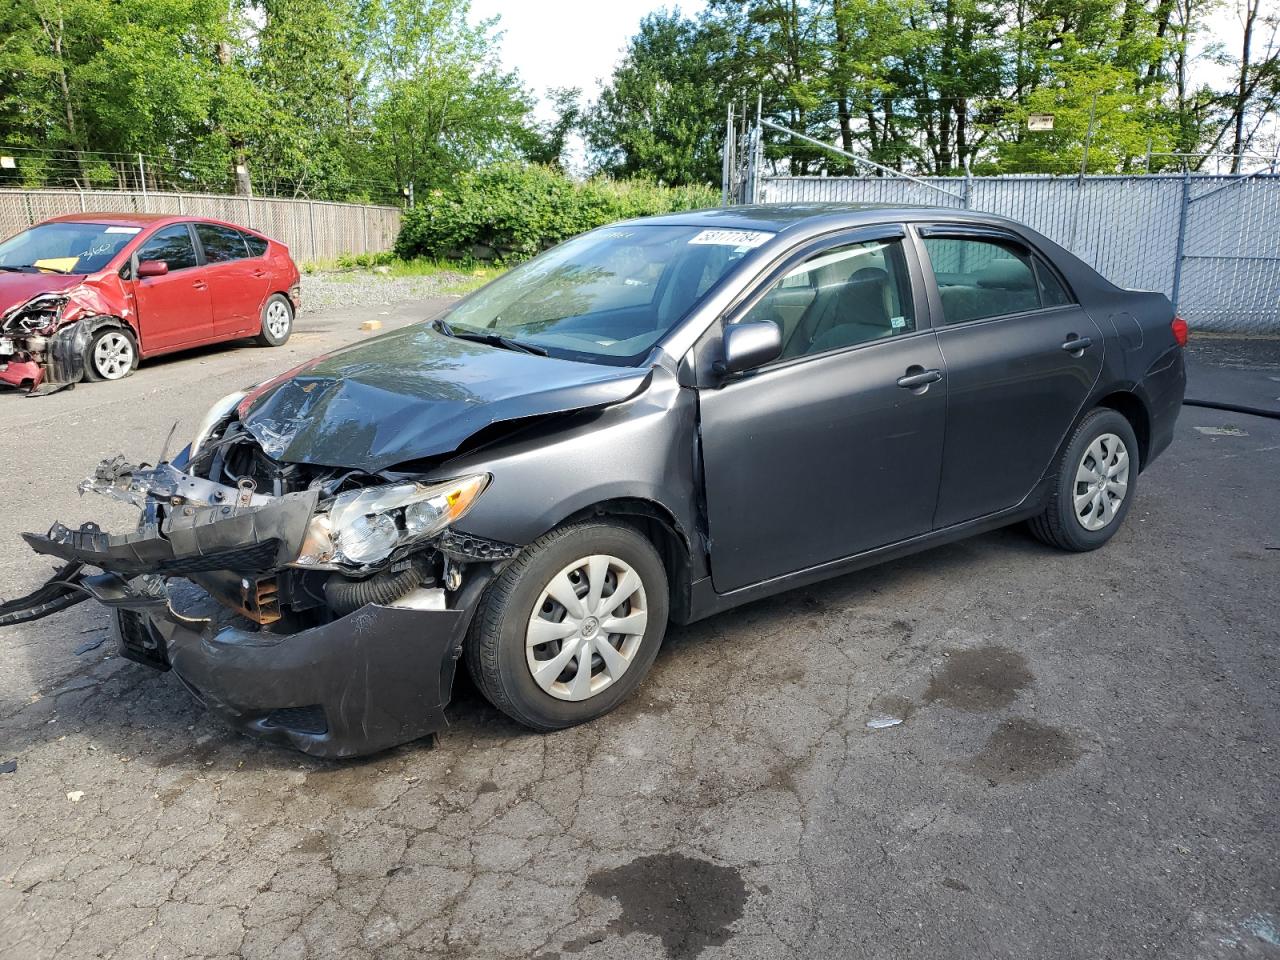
(259, 274)
(917, 376)
(200, 285)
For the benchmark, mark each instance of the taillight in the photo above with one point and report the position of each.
(1179, 331)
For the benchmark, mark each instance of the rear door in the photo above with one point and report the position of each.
(1021, 357)
(237, 281)
(175, 309)
(836, 447)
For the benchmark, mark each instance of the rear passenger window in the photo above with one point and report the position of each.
(220, 243)
(839, 298)
(1052, 293)
(978, 279)
(257, 246)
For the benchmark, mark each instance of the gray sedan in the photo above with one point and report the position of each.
(656, 421)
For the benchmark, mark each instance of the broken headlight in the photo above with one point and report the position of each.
(365, 526)
(217, 413)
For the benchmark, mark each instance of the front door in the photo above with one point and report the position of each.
(836, 447)
(175, 309)
(1022, 358)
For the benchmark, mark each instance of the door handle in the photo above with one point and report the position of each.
(1077, 344)
(259, 274)
(200, 285)
(917, 376)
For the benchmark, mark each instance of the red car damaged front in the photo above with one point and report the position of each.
(42, 337)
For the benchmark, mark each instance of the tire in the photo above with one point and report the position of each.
(277, 321)
(1088, 505)
(501, 660)
(112, 354)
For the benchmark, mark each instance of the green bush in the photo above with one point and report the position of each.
(512, 210)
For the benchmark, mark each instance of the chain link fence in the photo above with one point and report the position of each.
(1210, 243)
(312, 229)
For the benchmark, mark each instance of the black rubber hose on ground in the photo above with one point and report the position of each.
(345, 596)
(1233, 407)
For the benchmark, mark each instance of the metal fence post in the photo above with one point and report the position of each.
(1182, 236)
(311, 219)
(968, 184)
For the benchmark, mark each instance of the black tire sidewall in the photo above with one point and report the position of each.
(1093, 426)
(90, 371)
(534, 705)
(264, 335)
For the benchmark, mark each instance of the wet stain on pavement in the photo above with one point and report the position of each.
(1020, 750)
(986, 678)
(689, 904)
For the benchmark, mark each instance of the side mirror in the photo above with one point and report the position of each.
(749, 344)
(152, 268)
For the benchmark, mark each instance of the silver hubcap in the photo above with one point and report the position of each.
(113, 356)
(586, 627)
(1102, 481)
(277, 319)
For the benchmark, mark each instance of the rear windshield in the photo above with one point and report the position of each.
(607, 296)
(64, 247)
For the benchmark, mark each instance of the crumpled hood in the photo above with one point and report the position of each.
(415, 393)
(17, 288)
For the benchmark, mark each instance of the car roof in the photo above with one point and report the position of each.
(779, 217)
(117, 219)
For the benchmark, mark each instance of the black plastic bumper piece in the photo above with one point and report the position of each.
(373, 679)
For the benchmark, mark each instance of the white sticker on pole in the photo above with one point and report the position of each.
(740, 239)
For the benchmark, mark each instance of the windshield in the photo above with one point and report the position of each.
(64, 247)
(609, 295)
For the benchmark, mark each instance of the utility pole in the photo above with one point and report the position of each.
(142, 182)
(1088, 138)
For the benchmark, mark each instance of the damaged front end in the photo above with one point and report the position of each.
(43, 342)
(322, 608)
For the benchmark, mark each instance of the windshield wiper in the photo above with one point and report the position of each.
(492, 339)
(20, 267)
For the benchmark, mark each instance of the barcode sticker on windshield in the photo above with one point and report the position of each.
(742, 239)
(129, 230)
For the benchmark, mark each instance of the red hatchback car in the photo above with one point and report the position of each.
(86, 296)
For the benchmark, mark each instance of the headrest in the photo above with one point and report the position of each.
(869, 275)
(1005, 275)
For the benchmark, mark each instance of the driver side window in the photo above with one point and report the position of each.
(840, 297)
(171, 245)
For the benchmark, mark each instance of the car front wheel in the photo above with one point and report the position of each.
(571, 627)
(277, 321)
(1094, 486)
(112, 354)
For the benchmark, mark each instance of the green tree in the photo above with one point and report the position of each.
(442, 102)
(662, 114)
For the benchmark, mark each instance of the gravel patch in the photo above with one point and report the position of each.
(321, 291)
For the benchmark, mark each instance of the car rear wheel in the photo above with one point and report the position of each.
(277, 321)
(1094, 485)
(112, 354)
(571, 627)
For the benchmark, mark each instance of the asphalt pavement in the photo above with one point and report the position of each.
(989, 750)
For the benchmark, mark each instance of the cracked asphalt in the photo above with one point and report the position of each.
(989, 750)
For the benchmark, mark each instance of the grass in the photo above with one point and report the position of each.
(456, 276)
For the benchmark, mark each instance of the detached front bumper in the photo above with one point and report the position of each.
(18, 373)
(373, 679)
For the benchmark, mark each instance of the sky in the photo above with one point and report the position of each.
(568, 43)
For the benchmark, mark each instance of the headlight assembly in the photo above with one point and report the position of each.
(364, 526)
(217, 413)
